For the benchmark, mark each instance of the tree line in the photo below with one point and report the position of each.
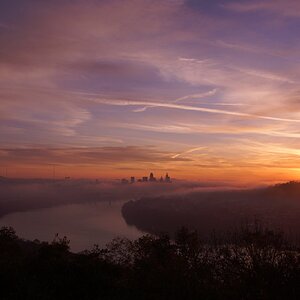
(250, 263)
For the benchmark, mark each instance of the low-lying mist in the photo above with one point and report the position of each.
(163, 207)
(27, 194)
(277, 207)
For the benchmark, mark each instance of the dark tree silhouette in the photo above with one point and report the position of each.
(251, 263)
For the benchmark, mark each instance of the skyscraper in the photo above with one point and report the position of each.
(167, 178)
(152, 178)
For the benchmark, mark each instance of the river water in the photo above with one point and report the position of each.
(84, 224)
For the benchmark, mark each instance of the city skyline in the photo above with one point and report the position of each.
(151, 178)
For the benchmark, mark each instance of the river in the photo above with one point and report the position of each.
(84, 224)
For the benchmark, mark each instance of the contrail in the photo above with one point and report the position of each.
(190, 108)
(193, 96)
(188, 151)
(197, 96)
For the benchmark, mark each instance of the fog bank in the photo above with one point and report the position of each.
(28, 194)
(276, 206)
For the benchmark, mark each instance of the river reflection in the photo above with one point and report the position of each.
(84, 224)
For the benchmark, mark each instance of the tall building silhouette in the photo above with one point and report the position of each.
(167, 178)
(152, 178)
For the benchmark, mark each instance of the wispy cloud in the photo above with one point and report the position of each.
(188, 151)
(266, 75)
(190, 108)
(289, 8)
(85, 155)
(193, 96)
(197, 96)
(282, 53)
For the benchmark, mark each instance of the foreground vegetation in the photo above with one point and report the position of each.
(253, 263)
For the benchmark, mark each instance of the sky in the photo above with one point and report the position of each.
(204, 90)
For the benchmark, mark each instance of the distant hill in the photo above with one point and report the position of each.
(275, 206)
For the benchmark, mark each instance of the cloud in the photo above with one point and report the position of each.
(191, 108)
(85, 156)
(24, 195)
(169, 128)
(197, 96)
(284, 53)
(39, 112)
(287, 8)
(81, 28)
(194, 96)
(266, 75)
(188, 151)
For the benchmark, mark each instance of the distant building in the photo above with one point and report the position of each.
(124, 181)
(167, 178)
(152, 178)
